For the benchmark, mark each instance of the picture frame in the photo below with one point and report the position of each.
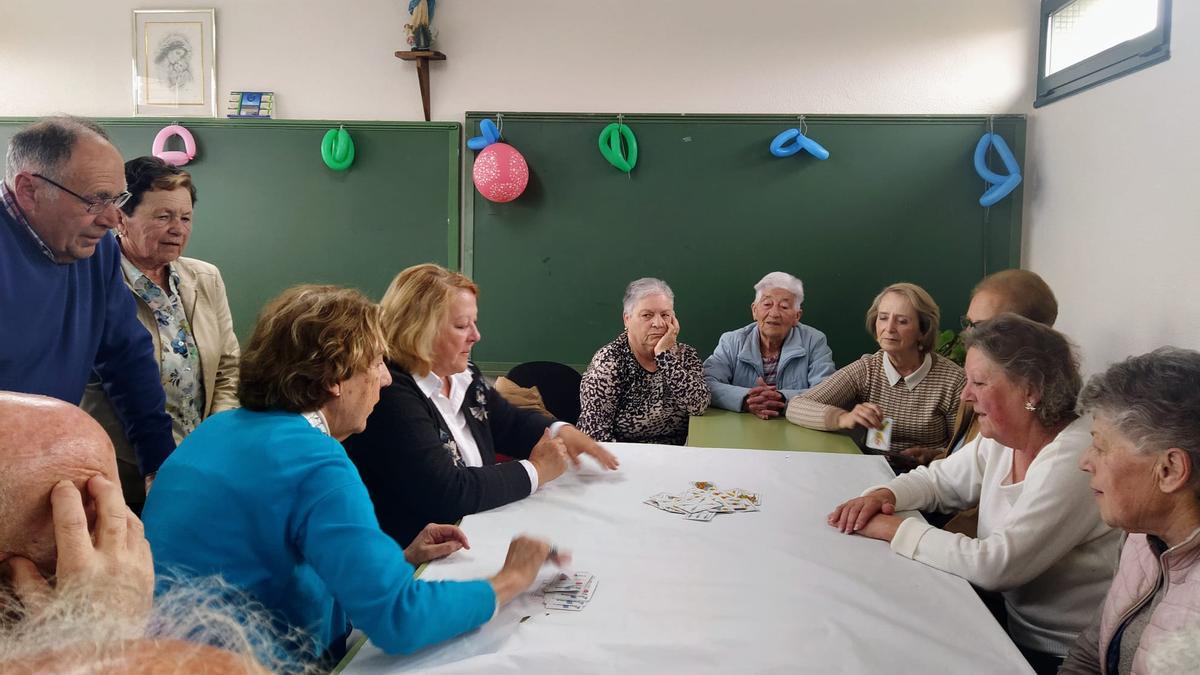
(174, 63)
(251, 104)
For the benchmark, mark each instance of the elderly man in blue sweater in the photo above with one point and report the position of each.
(64, 309)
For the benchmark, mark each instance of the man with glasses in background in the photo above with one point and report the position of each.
(64, 307)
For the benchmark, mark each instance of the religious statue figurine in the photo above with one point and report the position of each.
(419, 36)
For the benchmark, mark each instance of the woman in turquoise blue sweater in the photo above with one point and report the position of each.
(266, 496)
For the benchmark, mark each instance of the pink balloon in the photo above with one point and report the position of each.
(500, 173)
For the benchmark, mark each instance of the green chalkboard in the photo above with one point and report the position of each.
(710, 210)
(270, 214)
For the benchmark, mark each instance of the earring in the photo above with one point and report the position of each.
(1030, 406)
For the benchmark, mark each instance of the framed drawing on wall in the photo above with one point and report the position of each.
(174, 62)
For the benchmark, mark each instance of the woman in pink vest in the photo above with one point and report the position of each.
(1145, 467)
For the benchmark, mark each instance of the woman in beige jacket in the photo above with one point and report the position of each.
(181, 302)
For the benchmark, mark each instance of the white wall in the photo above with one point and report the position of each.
(331, 60)
(1111, 220)
(1113, 216)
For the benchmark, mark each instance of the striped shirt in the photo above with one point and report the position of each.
(922, 406)
(770, 368)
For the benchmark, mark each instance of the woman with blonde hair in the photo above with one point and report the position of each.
(904, 381)
(428, 453)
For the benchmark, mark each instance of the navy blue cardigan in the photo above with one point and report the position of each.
(58, 322)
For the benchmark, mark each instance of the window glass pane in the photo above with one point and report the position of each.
(1087, 27)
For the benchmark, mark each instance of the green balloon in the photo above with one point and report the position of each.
(337, 149)
(610, 146)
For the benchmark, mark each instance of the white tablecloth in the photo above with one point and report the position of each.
(771, 591)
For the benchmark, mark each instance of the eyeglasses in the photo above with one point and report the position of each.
(95, 205)
(966, 322)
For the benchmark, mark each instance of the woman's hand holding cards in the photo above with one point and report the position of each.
(866, 415)
(549, 457)
(526, 555)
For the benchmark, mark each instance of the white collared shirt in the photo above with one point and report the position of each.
(912, 380)
(450, 408)
(317, 419)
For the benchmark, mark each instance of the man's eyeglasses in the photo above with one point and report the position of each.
(95, 205)
(966, 322)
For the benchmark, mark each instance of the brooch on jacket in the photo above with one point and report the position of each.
(451, 447)
(479, 409)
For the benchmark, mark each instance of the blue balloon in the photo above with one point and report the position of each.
(997, 192)
(791, 141)
(778, 147)
(814, 148)
(490, 135)
(490, 132)
(999, 185)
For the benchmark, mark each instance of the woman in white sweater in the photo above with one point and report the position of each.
(1041, 541)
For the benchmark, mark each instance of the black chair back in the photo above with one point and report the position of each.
(558, 384)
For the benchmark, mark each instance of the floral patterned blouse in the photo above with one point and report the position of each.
(621, 401)
(179, 358)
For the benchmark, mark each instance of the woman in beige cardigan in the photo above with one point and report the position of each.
(181, 302)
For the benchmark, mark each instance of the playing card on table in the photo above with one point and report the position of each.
(564, 583)
(585, 593)
(564, 602)
(704, 500)
(569, 592)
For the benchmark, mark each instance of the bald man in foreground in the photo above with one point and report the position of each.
(77, 566)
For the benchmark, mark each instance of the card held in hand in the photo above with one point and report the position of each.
(881, 438)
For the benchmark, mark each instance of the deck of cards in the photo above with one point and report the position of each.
(704, 500)
(570, 592)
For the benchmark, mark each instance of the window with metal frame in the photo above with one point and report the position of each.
(1087, 42)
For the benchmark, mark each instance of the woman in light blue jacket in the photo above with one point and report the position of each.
(760, 367)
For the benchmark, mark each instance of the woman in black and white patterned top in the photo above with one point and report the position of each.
(643, 386)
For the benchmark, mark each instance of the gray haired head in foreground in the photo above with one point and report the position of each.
(641, 288)
(74, 633)
(1153, 400)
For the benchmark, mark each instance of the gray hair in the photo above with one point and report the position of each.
(79, 634)
(640, 288)
(782, 280)
(45, 146)
(1035, 355)
(1153, 400)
